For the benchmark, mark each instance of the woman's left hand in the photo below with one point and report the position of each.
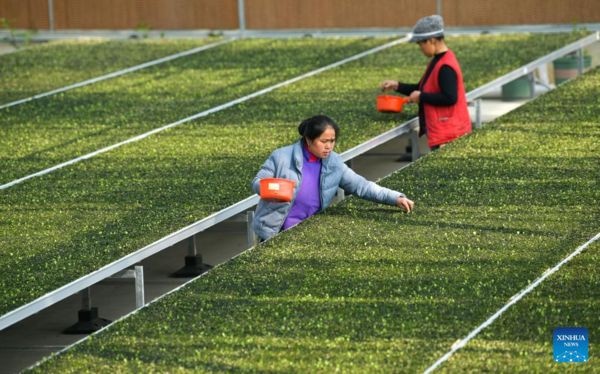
(415, 97)
(405, 204)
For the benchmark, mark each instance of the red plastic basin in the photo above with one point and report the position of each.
(389, 103)
(277, 190)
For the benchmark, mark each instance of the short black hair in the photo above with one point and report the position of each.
(313, 127)
(438, 38)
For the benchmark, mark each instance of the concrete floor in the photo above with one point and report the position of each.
(7, 48)
(28, 341)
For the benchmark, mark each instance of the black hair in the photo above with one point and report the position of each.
(438, 38)
(313, 127)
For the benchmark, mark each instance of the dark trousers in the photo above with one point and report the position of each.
(436, 147)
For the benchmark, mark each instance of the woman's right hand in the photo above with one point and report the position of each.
(405, 204)
(388, 85)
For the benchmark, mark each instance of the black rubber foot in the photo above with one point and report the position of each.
(405, 158)
(88, 323)
(193, 268)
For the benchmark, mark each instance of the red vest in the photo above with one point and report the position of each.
(445, 123)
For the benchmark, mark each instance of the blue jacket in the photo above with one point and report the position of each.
(287, 162)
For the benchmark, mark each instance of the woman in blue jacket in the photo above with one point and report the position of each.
(318, 171)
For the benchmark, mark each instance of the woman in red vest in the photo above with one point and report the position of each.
(443, 113)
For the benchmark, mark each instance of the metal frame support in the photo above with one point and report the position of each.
(249, 221)
(247, 217)
(580, 61)
(478, 121)
(507, 78)
(531, 77)
(193, 262)
(192, 246)
(439, 7)
(51, 14)
(139, 287)
(414, 143)
(88, 320)
(242, 18)
(138, 275)
(86, 299)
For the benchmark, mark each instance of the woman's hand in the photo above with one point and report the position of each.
(405, 204)
(388, 85)
(415, 97)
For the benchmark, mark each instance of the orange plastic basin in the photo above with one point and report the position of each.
(276, 190)
(389, 103)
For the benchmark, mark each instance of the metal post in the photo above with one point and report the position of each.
(531, 77)
(242, 16)
(88, 320)
(249, 220)
(192, 246)
(439, 7)
(86, 299)
(414, 143)
(580, 61)
(139, 287)
(193, 262)
(138, 275)
(51, 14)
(477, 113)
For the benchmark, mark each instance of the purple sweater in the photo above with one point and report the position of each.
(308, 199)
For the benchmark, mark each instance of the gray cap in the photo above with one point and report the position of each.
(428, 27)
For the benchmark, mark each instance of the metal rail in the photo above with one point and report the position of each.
(513, 300)
(118, 73)
(532, 66)
(242, 206)
(475, 94)
(380, 139)
(125, 262)
(46, 35)
(208, 111)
